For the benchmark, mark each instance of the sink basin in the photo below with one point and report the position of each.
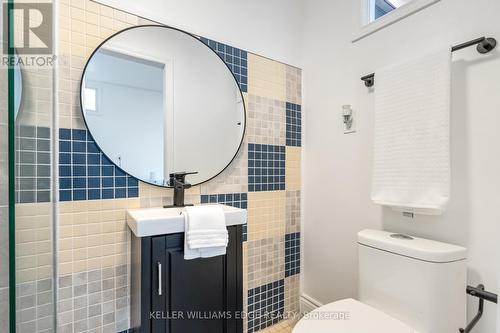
(146, 222)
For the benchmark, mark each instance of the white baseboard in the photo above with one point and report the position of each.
(307, 303)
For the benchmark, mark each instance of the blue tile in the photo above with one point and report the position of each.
(292, 254)
(92, 148)
(65, 183)
(79, 183)
(133, 192)
(64, 134)
(293, 124)
(108, 193)
(79, 171)
(94, 182)
(131, 181)
(108, 182)
(79, 195)
(120, 181)
(108, 170)
(79, 135)
(93, 171)
(80, 147)
(120, 193)
(79, 158)
(65, 146)
(64, 171)
(65, 195)
(265, 305)
(235, 59)
(119, 173)
(94, 159)
(94, 194)
(64, 158)
(265, 165)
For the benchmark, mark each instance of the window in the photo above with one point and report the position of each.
(90, 100)
(379, 8)
(378, 14)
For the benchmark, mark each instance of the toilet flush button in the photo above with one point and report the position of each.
(401, 236)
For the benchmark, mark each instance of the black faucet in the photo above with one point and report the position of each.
(178, 182)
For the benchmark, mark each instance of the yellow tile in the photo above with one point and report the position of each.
(80, 254)
(94, 263)
(266, 214)
(292, 173)
(94, 252)
(65, 256)
(80, 266)
(65, 244)
(80, 242)
(65, 268)
(26, 275)
(80, 230)
(44, 272)
(43, 234)
(26, 262)
(108, 261)
(65, 231)
(77, 14)
(266, 78)
(44, 246)
(44, 260)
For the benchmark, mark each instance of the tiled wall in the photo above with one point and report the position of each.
(93, 258)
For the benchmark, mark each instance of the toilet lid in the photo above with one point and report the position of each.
(349, 316)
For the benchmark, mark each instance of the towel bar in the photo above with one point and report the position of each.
(484, 45)
(483, 295)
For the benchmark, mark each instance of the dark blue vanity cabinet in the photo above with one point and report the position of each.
(168, 291)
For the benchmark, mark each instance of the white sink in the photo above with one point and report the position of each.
(146, 222)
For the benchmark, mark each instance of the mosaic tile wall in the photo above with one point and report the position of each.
(93, 259)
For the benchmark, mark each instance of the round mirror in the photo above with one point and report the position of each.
(158, 101)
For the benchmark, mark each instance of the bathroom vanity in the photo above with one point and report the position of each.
(135, 133)
(170, 294)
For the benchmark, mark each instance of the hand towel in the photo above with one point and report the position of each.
(205, 233)
(411, 161)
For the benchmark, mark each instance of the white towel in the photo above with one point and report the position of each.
(411, 169)
(205, 233)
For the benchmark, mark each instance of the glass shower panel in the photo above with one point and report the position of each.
(32, 108)
(4, 191)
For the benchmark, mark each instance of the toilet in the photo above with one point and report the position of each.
(406, 285)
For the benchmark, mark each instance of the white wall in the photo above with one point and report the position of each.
(268, 28)
(338, 167)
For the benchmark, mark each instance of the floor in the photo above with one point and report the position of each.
(283, 327)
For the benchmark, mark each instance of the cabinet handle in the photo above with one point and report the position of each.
(159, 278)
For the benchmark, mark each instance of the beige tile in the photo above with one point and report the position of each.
(266, 214)
(266, 122)
(266, 78)
(292, 173)
(293, 85)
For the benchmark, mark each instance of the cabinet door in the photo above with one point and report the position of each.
(195, 295)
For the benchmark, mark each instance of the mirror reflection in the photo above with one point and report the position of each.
(18, 88)
(158, 101)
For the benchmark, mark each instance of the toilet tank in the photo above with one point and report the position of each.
(418, 281)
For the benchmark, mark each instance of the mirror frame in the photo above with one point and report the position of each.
(199, 41)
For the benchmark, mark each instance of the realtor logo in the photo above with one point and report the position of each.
(32, 26)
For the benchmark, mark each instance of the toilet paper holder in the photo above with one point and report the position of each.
(483, 295)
